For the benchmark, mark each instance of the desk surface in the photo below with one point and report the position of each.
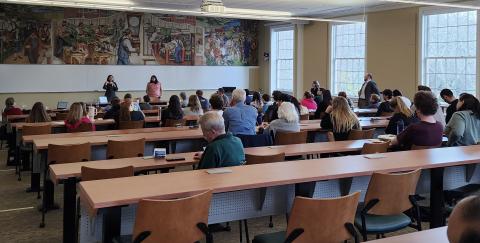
(437, 235)
(365, 111)
(100, 194)
(19, 125)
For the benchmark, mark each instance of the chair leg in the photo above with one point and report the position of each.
(378, 236)
(241, 230)
(271, 222)
(247, 236)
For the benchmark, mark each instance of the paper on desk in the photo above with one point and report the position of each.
(374, 156)
(219, 171)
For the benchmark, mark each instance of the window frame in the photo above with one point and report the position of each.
(274, 60)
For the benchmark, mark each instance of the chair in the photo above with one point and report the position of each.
(91, 174)
(125, 149)
(61, 116)
(361, 134)
(168, 221)
(258, 140)
(387, 198)
(318, 220)
(262, 159)
(304, 117)
(418, 147)
(28, 130)
(286, 138)
(83, 127)
(130, 124)
(373, 148)
(174, 123)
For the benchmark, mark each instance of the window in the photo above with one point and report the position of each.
(449, 54)
(348, 58)
(282, 59)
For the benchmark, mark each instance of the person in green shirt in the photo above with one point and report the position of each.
(463, 129)
(223, 149)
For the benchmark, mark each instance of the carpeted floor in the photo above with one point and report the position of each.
(21, 224)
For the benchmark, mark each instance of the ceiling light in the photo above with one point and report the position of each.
(449, 5)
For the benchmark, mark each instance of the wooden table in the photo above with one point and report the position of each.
(437, 235)
(100, 194)
(365, 112)
(97, 122)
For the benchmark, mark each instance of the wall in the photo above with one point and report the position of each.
(316, 54)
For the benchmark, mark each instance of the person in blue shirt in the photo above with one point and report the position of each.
(240, 118)
(204, 102)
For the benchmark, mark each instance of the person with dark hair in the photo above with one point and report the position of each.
(384, 107)
(127, 97)
(216, 102)
(326, 102)
(464, 221)
(266, 102)
(154, 89)
(427, 132)
(424, 88)
(226, 100)
(183, 99)
(406, 100)
(257, 101)
(439, 116)
(38, 114)
(369, 87)
(249, 97)
(203, 101)
(114, 111)
(271, 112)
(308, 101)
(10, 108)
(301, 110)
(127, 113)
(447, 96)
(146, 103)
(464, 126)
(110, 87)
(344, 95)
(374, 101)
(173, 110)
(316, 90)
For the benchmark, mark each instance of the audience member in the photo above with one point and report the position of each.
(10, 108)
(203, 101)
(223, 149)
(301, 110)
(77, 115)
(288, 120)
(439, 116)
(173, 110)
(326, 102)
(406, 100)
(316, 90)
(447, 96)
(216, 102)
(309, 102)
(194, 107)
(127, 113)
(266, 102)
(146, 103)
(340, 119)
(271, 111)
(114, 111)
(464, 126)
(374, 101)
(384, 107)
(248, 97)
(344, 95)
(226, 100)
(369, 87)
(401, 118)
(240, 118)
(257, 101)
(424, 88)
(427, 132)
(464, 221)
(183, 101)
(38, 114)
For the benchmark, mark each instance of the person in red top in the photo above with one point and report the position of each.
(10, 108)
(309, 102)
(77, 116)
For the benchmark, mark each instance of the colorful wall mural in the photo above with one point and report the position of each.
(50, 35)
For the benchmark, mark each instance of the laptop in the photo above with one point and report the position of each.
(62, 105)
(102, 100)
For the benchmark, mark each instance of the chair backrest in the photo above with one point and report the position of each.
(373, 148)
(61, 116)
(304, 117)
(361, 134)
(169, 221)
(83, 127)
(36, 129)
(392, 191)
(91, 174)
(61, 154)
(258, 140)
(323, 220)
(262, 159)
(130, 124)
(286, 138)
(418, 147)
(125, 149)
(331, 137)
(100, 115)
(174, 123)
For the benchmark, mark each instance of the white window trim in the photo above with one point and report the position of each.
(273, 57)
(360, 18)
(439, 10)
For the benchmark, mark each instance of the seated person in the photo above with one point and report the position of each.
(324, 104)
(203, 101)
(226, 100)
(223, 149)
(257, 101)
(402, 115)
(240, 118)
(146, 103)
(77, 115)
(266, 102)
(308, 101)
(183, 99)
(10, 108)
(301, 110)
(216, 102)
(128, 98)
(374, 101)
(194, 107)
(114, 110)
(427, 132)
(344, 95)
(340, 119)
(406, 100)
(385, 107)
(127, 113)
(173, 110)
(38, 114)
(447, 96)
(271, 110)
(288, 120)
(248, 97)
(439, 116)
(464, 126)
(464, 221)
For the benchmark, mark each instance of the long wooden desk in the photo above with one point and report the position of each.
(97, 195)
(97, 122)
(437, 235)
(365, 112)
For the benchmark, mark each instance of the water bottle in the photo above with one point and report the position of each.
(400, 126)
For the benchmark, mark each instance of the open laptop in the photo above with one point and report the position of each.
(62, 105)
(102, 100)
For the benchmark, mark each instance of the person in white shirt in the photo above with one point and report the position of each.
(194, 107)
(405, 100)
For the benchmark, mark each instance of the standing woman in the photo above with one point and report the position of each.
(154, 89)
(110, 88)
(38, 114)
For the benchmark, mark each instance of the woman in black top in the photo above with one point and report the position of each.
(322, 106)
(340, 119)
(385, 106)
(110, 88)
(173, 111)
(127, 113)
(403, 115)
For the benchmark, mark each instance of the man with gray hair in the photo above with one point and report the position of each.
(223, 149)
(240, 118)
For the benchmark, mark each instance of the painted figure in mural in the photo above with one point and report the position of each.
(178, 49)
(125, 48)
(32, 46)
